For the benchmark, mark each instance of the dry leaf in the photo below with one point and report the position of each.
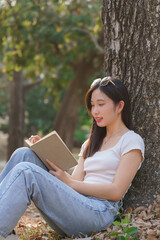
(128, 210)
(138, 209)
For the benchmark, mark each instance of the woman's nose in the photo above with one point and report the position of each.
(95, 110)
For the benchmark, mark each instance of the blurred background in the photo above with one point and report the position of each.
(50, 52)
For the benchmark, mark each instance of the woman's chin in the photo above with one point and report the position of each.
(101, 125)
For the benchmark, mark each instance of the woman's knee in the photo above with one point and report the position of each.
(22, 154)
(25, 154)
(22, 150)
(22, 166)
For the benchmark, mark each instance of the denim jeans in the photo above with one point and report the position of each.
(68, 212)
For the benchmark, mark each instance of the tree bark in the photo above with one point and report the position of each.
(131, 43)
(67, 117)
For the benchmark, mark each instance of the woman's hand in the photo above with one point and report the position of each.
(60, 174)
(34, 139)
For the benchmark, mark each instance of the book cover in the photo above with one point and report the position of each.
(53, 148)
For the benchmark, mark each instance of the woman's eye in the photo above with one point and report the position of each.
(101, 104)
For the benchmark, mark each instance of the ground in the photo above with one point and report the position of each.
(145, 219)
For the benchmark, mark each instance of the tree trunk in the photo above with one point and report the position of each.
(131, 53)
(16, 114)
(18, 91)
(67, 117)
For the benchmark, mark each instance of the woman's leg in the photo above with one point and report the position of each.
(23, 154)
(61, 206)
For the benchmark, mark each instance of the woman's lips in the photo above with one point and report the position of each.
(98, 119)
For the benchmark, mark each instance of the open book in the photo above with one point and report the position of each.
(53, 148)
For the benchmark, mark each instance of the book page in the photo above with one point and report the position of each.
(28, 142)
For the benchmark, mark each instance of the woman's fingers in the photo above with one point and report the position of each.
(53, 173)
(54, 166)
(59, 173)
(34, 139)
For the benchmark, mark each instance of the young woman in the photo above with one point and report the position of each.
(89, 199)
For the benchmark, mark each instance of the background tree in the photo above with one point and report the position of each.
(43, 39)
(132, 45)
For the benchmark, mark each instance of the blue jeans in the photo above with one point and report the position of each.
(68, 212)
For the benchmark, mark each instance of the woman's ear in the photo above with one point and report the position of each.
(120, 106)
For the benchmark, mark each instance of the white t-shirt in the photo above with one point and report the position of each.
(102, 166)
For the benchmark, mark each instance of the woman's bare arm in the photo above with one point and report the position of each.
(78, 172)
(114, 191)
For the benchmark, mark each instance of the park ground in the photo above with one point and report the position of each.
(144, 218)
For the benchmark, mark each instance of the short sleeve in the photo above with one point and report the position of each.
(82, 148)
(131, 142)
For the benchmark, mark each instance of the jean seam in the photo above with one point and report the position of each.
(12, 182)
(89, 206)
(3, 234)
(74, 198)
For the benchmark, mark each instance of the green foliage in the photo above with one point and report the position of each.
(84, 125)
(127, 231)
(46, 37)
(3, 106)
(40, 113)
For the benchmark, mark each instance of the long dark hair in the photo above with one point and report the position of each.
(116, 94)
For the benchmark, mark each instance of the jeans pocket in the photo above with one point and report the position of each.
(113, 207)
(102, 205)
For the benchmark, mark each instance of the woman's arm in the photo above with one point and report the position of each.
(78, 172)
(114, 191)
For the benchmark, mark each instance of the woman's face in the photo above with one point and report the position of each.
(104, 111)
